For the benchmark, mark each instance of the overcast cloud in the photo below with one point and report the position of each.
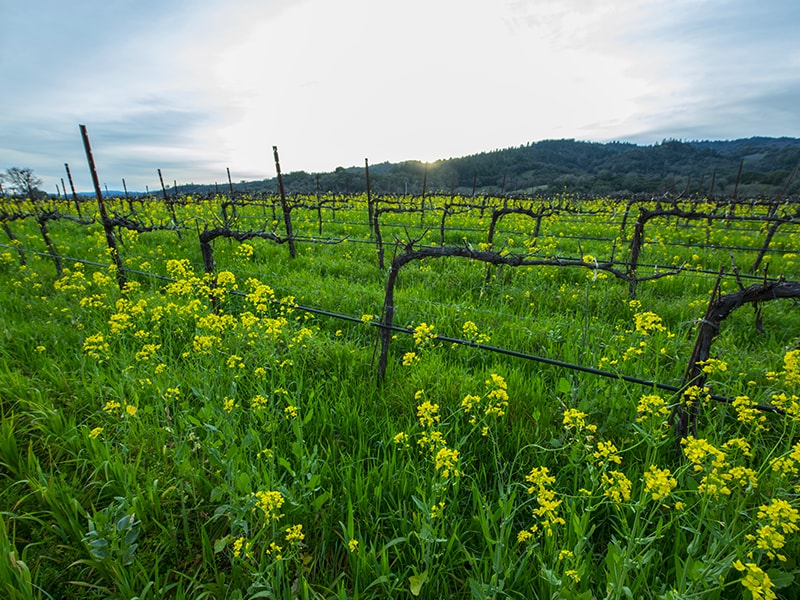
(193, 87)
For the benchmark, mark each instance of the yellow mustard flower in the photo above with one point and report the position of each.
(659, 483)
(616, 486)
(755, 580)
(294, 534)
(270, 503)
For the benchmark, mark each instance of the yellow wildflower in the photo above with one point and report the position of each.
(111, 406)
(294, 534)
(436, 510)
(616, 486)
(423, 333)
(228, 404)
(523, 536)
(713, 365)
(427, 413)
(572, 574)
(241, 547)
(401, 439)
(651, 405)
(270, 503)
(648, 322)
(575, 419)
(409, 358)
(747, 413)
(275, 550)
(756, 580)
(607, 453)
(447, 462)
(659, 482)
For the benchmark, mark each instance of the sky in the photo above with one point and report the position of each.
(194, 87)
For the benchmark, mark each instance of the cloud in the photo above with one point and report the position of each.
(195, 87)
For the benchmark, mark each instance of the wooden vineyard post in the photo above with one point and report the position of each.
(713, 183)
(170, 206)
(287, 217)
(233, 199)
(424, 189)
(445, 213)
(319, 209)
(163, 189)
(127, 196)
(108, 228)
(207, 251)
(370, 208)
(230, 183)
(74, 195)
(738, 177)
(387, 318)
(379, 241)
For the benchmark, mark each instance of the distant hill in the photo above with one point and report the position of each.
(554, 166)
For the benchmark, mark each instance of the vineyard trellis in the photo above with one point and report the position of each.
(778, 212)
(322, 425)
(409, 250)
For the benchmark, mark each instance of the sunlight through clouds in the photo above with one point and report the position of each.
(330, 83)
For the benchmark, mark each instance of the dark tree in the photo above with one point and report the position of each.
(22, 182)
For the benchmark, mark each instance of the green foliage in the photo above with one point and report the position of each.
(557, 166)
(198, 437)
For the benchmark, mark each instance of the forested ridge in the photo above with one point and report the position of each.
(572, 166)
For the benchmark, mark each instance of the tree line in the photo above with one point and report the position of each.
(747, 168)
(752, 167)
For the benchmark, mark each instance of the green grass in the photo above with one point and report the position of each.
(153, 447)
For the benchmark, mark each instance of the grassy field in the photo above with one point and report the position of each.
(197, 436)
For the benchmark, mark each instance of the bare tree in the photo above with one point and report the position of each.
(22, 182)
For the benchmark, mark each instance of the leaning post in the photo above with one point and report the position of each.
(287, 217)
(107, 226)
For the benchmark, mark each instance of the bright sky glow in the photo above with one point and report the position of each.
(193, 87)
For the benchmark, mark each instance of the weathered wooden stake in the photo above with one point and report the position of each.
(287, 217)
(127, 197)
(319, 208)
(74, 195)
(369, 196)
(170, 205)
(738, 177)
(163, 188)
(230, 183)
(107, 226)
(424, 189)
